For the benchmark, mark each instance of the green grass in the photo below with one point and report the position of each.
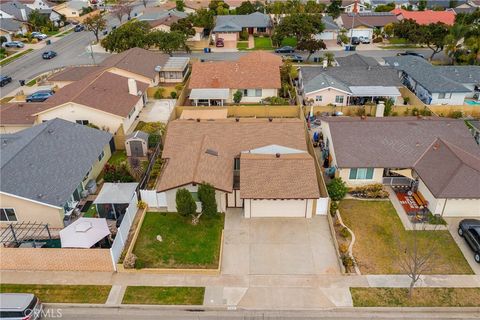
(397, 41)
(14, 57)
(64, 33)
(164, 295)
(422, 297)
(118, 157)
(91, 212)
(378, 231)
(184, 245)
(242, 45)
(263, 43)
(290, 41)
(32, 82)
(53, 293)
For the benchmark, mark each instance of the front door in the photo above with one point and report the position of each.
(250, 30)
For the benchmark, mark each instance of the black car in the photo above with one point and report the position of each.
(79, 28)
(49, 54)
(293, 57)
(286, 49)
(355, 40)
(469, 229)
(411, 53)
(4, 80)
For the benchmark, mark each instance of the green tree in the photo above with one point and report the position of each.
(311, 45)
(95, 24)
(330, 57)
(385, 7)
(334, 8)
(168, 42)
(203, 18)
(422, 5)
(453, 41)
(206, 195)
(312, 6)
(129, 35)
(405, 29)
(337, 189)
(245, 8)
(180, 5)
(433, 36)
(237, 96)
(186, 205)
(38, 20)
(184, 26)
(302, 26)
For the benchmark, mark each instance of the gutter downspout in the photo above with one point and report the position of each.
(444, 205)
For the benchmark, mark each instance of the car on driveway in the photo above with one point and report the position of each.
(411, 53)
(4, 80)
(355, 40)
(49, 55)
(79, 28)
(293, 57)
(365, 40)
(40, 96)
(219, 43)
(469, 229)
(286, 49)
(39, 35)
(14, 44)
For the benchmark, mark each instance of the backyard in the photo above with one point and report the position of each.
(183, 245)
(378, 231)
(164, 295)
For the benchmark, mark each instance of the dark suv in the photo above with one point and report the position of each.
(469, 229)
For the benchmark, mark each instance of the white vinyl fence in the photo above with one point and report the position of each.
(123, 230)
(153, 198)
(322, 206)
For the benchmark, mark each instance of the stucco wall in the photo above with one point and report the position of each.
(128, 122)
(265, 94)
(172, 206)
(457, 98)
(344, 173)
(328, 97)
(137, 77)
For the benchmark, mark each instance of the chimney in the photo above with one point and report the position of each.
(132, 87)
(24, 14)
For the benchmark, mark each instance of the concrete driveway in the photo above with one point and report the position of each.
(277, 246)
(462, 244)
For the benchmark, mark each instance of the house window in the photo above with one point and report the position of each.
(258, 92)
(100, 157)
(252, 92)
(361, 174)
(131, 113)
(84, 122)
(195, 196)
(338, 99)
(88, 173)
(261, 30)
(7, 214)
(318, 98)
(444, 95)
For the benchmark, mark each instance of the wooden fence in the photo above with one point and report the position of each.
(250, 111)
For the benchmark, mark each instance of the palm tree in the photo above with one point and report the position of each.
(330, 58)
(453, 41)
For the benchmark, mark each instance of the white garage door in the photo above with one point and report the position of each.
(278, 208)
(361, 33)
(326, 35)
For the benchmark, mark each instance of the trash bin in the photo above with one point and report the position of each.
(316, 59)
(206, 50)
(22, 82)
(49, 42)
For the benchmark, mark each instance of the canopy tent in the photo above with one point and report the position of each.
(404, 172)
(84, 233)
(374, 91)
(114, 199)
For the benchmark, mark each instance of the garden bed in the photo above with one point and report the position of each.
(164, 295)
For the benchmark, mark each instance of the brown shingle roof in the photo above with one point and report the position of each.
(379, 19)
(204, 151)
(74, 73)
(21, 113)
(290, 176)
(254, 70)
(168, 21)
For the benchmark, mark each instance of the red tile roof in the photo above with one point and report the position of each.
(427, 16)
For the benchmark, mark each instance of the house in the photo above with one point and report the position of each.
(363, 24)
(193, 5)
(437, 84)
(15, 10)
(260, 165)
(474, 127)
(398, 3)
(354, 6)
(437, 156)
(9, 27)
(426, 17)
(229, 27)
(45, 170)
(467, 7)
(162, 19)
(331, 29)
(352, 83)
(71, 9)
(256, 75)
(32, 4)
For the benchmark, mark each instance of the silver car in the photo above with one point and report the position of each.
(20, 306)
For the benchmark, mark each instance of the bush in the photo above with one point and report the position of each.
(237, 96)
(377, 40)
(415, 111)
(179, 87)
(206, 195)
(348, 262)
(130, 261)
(343, 248)
(244, 35)
(275, 101)
(333, 208)
(159, 93)
(360, 111)
(388, 107)
(173, 95)
(455, 114)
(337, 189)
(425, 112)
(344, 233)
(406, 100)
(117, 173)
(370, 191)
(186, 205)
(141, 204)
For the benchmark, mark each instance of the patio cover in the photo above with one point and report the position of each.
(116, 193)
(374, 91)
(222, 94)
(84, 233)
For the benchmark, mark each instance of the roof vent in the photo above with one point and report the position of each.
(277, 155)
(237, 119)
(436, 146)
(212, 152)
(198, 119)
(270, 119)
(50, 131)
(417, 144)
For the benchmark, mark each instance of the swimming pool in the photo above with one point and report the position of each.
(472, 103)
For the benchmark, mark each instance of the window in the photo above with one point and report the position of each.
(444, 95)
(236, 164)
(7, 214)
(361, 174)
(258, 92)
(252, 92)
(100, 157)
(338, 99)
(260, 30)
(195, 196)
(318, 98)
(131, 113)
(84, 122)
(88, 173)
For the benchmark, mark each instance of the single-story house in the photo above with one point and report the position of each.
(72, 8)
(467, 7)
(260, 165)
(193, 5)
(362, 24)
(114, 198)
(256, 75)
(162, 19)
(15, 10)
(229, 27)
(331, 29)
(10, 27)
(348, 84)
(440, 155)
(32, 4)
(45, 170)
(437, 84)
(426, 17)
(398, 3)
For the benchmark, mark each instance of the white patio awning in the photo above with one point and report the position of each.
(84, 233)
(197, 94)
(374, 91)
(116, 193)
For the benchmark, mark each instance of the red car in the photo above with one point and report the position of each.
(219, 43)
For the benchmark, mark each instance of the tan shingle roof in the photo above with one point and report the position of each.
(21, 113)
(254, 70)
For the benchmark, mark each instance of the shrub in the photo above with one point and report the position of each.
(425, 112)
(141, 204)
(415, 111)
(360, 111)
(159, 93)
(206, 195)
(388, 107)
(117, 173)
(179, 87)
(455, 114)
(406, 100)
(130, 261)
(348, 262)
(186, 205)
(337, 189)
(237, 96)
(377, 40)
(173, 95)
(333, 208)
(139, 264)
(275, 101)
(371, 191)
(343, 248)
(406, 112)
(344, 233)
(244, 35)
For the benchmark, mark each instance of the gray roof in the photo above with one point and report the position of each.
(357, 60)
(409, 142)
(158, 15)
(436, 78)
(10, 24)
(47, 162)
(234, 23)
(116, 193)
(14, 9)
(314, 79)
(330, 24)
(138, 135)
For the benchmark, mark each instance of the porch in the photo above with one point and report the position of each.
(362, 95)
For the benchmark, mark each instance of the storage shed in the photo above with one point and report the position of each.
(136, 144)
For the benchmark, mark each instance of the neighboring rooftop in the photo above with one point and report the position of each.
(426, 16)
(27, 167)
(10, 24)
(368, 19)
(156, 17)
(21, 113)
(116, 193)
(330, 24)
(235, 23)
(357, 60)
(70, 74)
(17, 10)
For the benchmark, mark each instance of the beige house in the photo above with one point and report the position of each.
(49, 190)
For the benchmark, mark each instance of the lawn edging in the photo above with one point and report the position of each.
(131, 245)
(350, 247)
(335, 243)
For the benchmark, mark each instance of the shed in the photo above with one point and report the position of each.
(136, 144)
(114, 199)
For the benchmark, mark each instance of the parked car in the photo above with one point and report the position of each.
(39, 96)
(14, 44)
(293, 57)
(285, 49)
(365, 40)
(355, 40)
(469, 229)
(78, 28)
(39, 35)
(219, 43)
(411, 53)
(4, 80)
(49, 54)
(16, 306)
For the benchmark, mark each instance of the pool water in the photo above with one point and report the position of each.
(472, 103)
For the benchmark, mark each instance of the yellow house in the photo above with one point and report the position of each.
(46, 169)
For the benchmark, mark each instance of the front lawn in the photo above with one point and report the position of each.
(243, 45)
(55, 293)
(183, 244)
(263, 43)
(164, 295)
(422, 297)
(378, 231)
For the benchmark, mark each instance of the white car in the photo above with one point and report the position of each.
(364, 39)
(39, 35)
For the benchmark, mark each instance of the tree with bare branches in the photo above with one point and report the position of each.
(118, 10)
(128, 8)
